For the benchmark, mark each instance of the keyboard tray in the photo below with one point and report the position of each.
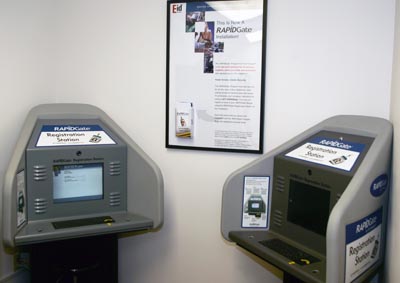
(292, 253)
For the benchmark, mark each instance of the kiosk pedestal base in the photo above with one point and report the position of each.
(82, 260)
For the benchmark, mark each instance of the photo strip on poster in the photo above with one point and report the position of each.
(215, 75)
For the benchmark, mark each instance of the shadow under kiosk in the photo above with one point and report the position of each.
(326, 220)
(75, 181)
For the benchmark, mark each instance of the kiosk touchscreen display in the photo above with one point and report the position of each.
(77, 182)
(308, 207)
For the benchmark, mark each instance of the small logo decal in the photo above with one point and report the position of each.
(177, 8)
(379, 185)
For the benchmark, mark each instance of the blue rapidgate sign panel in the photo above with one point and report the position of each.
(330, 152)
(363, 245)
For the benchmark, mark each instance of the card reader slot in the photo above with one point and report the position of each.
(82, 222)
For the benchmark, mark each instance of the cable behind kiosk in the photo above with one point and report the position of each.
(76, 174)
(326, 217)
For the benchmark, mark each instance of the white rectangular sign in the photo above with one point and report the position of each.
(329, 152)
(64, 135)
(255, 202)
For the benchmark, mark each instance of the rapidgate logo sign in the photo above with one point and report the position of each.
(70, 128)
(335, 143)
(176, 8)
(379, 185)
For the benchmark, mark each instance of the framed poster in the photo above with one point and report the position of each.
(215, 75)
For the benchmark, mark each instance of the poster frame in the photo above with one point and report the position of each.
(172, 5)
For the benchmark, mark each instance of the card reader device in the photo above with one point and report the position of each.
(328, 203)
(255, 206)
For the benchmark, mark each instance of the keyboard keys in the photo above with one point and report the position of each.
(295, 255)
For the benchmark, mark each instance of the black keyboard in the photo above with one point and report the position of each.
(294, 254)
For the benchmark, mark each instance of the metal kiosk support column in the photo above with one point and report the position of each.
(326, 198)
(75, 182)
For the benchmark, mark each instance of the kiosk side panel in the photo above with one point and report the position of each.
(145, 180)
(357, 203)
(16, 165)
(149, 200)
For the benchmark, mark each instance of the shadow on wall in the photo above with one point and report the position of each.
(20, 276)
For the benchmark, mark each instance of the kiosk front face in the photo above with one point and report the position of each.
(309, 180)
(75, 182)
(71, 178)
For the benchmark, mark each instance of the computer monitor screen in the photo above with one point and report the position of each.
(77, 182)
(308, 207)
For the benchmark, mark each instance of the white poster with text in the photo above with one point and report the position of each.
(215, 75)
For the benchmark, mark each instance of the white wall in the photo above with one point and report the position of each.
(324, 58)
(24, 44)
(393, 246)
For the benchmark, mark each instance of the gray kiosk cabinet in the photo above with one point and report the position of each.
(75, 181)
(326, 196)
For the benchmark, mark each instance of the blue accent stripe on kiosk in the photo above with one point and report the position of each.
(358, 147)
(71, 128)
(362, 227)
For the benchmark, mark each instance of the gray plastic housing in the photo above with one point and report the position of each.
(139, 186)
(39, 174)
(355, 203)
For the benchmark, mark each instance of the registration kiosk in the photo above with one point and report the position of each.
(326, 192)
(75, 182)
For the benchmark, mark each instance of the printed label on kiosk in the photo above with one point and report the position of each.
(21, 196)
(255, 202)
(363, 244)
